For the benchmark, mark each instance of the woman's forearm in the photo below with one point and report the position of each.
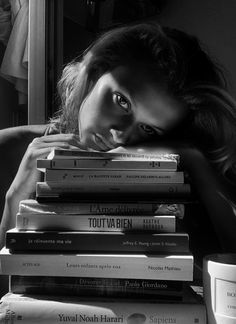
(9, 214)
(214, 195)
(212, 192)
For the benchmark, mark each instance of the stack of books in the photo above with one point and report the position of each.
(72, 175)
(103, 242)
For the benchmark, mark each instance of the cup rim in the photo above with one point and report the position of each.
(222, 258)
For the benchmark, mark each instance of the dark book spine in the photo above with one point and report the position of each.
(110, 198)
(104, 287)
(143, 190)
(161, 193)
(97, 242)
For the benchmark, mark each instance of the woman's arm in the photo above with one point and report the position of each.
(23, 185)
(214, 193)
(9, 214)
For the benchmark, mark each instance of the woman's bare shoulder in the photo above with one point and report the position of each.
(14, 142)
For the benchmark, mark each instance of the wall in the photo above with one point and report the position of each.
(8, 97)
(214, 22)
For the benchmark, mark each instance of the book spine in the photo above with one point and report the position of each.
(37, 311)
(97, 242)
(76, 197)
(68, 222)
(111, 176)
(161, 165)
(119, 191)
(31, 206)
(105, 287)
(141, 266)
(110, 155)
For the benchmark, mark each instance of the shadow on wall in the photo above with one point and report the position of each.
(9, 98)
(214, 23)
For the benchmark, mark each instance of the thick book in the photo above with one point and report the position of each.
(103, 287)
(74, 153)
(163, 164)
(77, 242)
(132, 266)
(73, 222)
(81, 176)
(35, 309)
(32, 206)
(123, 192)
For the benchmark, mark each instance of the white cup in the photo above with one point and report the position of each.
(219, 288)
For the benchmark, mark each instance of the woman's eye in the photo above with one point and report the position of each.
(122, 102)
(148, 129)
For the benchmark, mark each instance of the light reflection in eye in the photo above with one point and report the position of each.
(122, 101)
(148, 129)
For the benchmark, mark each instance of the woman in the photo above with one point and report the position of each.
(150, 85)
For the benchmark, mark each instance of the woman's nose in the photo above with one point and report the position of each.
(119, 136)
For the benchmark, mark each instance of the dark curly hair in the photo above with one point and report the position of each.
(188, 72)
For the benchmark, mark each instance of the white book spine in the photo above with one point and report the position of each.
(70, 154)
(113, 176)
(133, 266)
(95, 222)
(161, 165)
(26, 310)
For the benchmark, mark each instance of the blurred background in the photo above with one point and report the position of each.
(37, 38)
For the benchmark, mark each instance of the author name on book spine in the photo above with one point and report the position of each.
(63, 318)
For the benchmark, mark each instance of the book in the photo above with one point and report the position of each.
(104, 287)
(105, 192)
(74, 153)
(32, 206)
(68, 222)
(130, 242)
(35, 309)
(108, 164)
(132, 266)
(81, 176)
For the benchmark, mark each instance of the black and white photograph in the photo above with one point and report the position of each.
(118, 161)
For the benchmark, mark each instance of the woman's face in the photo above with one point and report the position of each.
(127, 106)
